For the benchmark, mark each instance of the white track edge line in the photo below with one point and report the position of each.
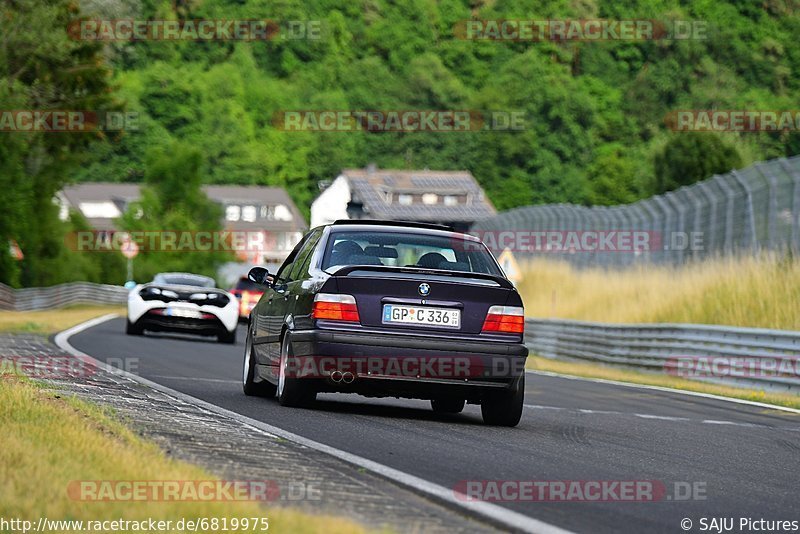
(668, 390)
(493, 512)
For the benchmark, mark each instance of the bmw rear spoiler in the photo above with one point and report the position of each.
(347, 269)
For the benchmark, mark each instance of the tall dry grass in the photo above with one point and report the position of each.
(758, 292)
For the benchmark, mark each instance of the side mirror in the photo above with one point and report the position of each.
(260, 275)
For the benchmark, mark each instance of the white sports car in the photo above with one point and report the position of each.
(183, 302)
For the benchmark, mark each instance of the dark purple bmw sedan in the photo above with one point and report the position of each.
(389, 309)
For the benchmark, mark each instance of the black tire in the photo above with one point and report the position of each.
(249, 386)
(504, 408)
(447, 405)
(294, 392)
(133, 330)
(227, 337)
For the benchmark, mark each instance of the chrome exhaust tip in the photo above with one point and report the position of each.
(336, 376)
(348, 377)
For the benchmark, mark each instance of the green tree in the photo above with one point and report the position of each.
(612, 178)
(690, 157)
(42, 69)
(173, 203)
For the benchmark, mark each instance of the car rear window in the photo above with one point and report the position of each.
(400, 249)
(184, 280)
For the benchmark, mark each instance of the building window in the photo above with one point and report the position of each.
(450, 200)
(249, 213)
(404, 199)
(232, 213)
(99, 210)
(430, 198)
(282, 213)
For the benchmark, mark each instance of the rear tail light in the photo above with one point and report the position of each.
(510, 319)
(335, 307)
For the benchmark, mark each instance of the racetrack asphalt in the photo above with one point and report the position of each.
(742, 460)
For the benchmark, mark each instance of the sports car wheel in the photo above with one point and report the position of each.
(447, 405)
(249, 386)
(292, 391)
(227, 337)
(133, 330)
(504, 408)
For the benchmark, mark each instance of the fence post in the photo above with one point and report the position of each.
(666, 252)
(693, 197)
(795, 174)
(712, 217)
(749, 209)
(772, 213)
(730, 197)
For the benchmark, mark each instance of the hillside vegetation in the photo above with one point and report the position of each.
(594, 112)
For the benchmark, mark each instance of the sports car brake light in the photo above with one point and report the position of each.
(335, 307)
(505, 319)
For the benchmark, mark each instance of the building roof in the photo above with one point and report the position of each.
(371, 187)
(101, 202)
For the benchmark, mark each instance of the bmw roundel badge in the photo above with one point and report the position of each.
(424, 289)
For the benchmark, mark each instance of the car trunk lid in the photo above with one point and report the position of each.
(375, 288)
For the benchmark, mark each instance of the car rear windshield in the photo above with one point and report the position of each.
(183, 280)
(400, 249)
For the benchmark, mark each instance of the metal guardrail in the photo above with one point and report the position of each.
(42, 298)
(709, 352)
(716, 353)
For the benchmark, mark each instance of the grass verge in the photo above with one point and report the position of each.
(50, 441)
(591, 370)
(51, 321)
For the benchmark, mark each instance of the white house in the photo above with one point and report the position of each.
(445, 197)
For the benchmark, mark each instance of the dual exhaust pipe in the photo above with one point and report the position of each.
(345, 378)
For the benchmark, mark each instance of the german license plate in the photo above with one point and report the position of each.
(421, 316)
(183, 312)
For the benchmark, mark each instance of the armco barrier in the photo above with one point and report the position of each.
(718, 353)
(41, 298)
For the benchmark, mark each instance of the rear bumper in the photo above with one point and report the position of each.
(161, 323)
(414, 366)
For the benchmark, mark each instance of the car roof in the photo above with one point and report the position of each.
(349, 225)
